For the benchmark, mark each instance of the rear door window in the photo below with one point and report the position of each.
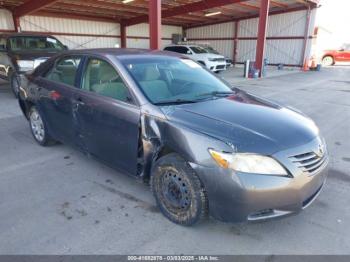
(65, 70)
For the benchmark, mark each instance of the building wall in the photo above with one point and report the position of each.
(6, 21)
(138, 35)
(77, 34)
(285, 37)
(219, 36)
(84, 34)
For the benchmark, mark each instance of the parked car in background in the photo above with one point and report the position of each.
(159, 116)
(20, 53)
(213, 62)
(330, 57)
(211, 50)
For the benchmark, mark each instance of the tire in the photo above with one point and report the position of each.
(327, 61)
(14, 83)
(38, 128)
(178, 191)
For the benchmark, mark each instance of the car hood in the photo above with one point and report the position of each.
(247, 122)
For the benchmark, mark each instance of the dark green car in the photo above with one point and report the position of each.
(20, 53)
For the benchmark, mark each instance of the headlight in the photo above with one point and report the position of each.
(248, 163)
(25, 64)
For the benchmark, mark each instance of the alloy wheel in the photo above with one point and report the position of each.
(37, 125)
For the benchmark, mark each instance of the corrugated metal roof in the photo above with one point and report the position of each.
(187, 15)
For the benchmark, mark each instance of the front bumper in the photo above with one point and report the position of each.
(238, 197)
(216, 66)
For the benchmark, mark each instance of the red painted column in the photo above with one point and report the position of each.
(16, 23)
(235, 43)
(262, 28)
(155, 23)
(122, 35)
(306, 37)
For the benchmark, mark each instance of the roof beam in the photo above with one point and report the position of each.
(248, 6)
(75, 16)
(32, 6)
(308, 2)
(279, 4)
(185, 9)
(277, 12)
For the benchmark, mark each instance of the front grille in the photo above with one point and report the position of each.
(310, 162)
(220, 67)
(219, 59)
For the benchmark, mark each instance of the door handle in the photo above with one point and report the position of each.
(79, 101)
(76, 103)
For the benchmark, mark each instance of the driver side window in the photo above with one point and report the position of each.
(100, 77)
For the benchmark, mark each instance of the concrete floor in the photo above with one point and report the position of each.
(57, 201)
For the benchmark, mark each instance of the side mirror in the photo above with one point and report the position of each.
(65, 47)
(341, 49)
(189, 52)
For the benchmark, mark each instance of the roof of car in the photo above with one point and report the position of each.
(122, 52)
(24, 34)
(187, 45)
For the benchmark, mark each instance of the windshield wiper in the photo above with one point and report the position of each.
(174, 102)
(217, 93)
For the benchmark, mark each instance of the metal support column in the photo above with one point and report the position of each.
(155, 23)
(304, 57)
(262, 28)
(16, 23)
(122, 35)
(235, 43)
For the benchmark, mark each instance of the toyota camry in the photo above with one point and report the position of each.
(205, 147)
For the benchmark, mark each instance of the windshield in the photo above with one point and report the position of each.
(35, 43)
(167, 80)
(198, 50)
(211, 50)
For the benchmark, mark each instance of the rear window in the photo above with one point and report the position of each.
(35, 43)
(177, 49)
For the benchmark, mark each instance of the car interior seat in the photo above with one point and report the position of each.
(109, 82)
(155, 88)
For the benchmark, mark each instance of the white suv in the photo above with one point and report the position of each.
(213, 62)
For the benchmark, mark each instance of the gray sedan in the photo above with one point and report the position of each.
(204, 147)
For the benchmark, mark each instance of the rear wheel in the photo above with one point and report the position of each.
(328, 61)
(178, 191)
(14, 83)
(38, 127)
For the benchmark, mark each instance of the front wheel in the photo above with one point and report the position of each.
(38, 127)
(328, 61)
(14, 83)
(178, 191)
